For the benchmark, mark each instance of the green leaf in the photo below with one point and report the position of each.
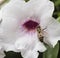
(51, 52)
(57, 2)
(58, 19)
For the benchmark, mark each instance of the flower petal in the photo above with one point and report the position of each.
(52, 41)
(31, 54)
(8, 27)
(53, 28)
(53, 32)
(7, 47)
(46, 13)
(34, 6)
(13, 9)
(40, 47)
(1, 53)
(20, 10)
(29, 42)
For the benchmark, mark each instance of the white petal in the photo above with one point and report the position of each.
(8, 29)
(53, 28)
(21, 10)
(40, 47)
(2, 55)
(46, 13)
(31, 54)
(26, 43)
(34, 6)
(7, 47)
(29, 42)
(53, 32)
(52, 41)
(13, 9)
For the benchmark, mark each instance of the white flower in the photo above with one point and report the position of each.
(19, 22)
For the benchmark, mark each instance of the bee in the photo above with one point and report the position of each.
(40, 33)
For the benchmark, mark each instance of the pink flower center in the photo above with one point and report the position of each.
(30, 25)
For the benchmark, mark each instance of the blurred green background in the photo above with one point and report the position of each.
(57, 8)
(56, 14)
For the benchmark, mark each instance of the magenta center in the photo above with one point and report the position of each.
(30, 25)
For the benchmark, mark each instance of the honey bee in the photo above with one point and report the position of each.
(40, 33)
